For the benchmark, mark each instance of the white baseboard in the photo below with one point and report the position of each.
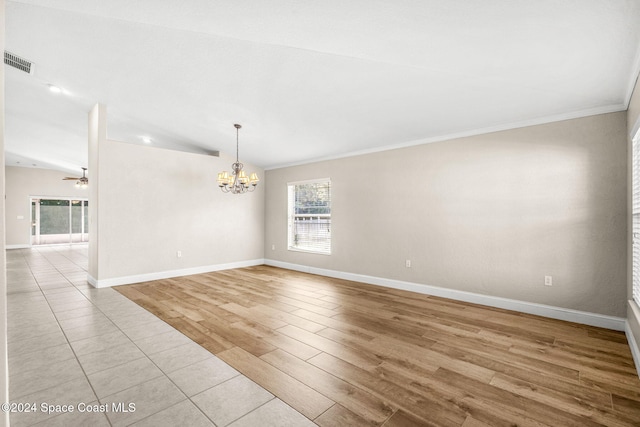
(127, 280)
(92, 281)
(27, 246)
(560, 313)
(633, 345)
(17, 246)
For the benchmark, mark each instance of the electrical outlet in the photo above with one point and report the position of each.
(407, 263)
(548, 281)
(273, 247)
(179, 254)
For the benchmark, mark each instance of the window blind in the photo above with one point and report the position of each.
(635, 171)
(309, 207)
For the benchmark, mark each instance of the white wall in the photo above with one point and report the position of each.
(154, 202)
(21, 184)
(4, 372)
(490, 214)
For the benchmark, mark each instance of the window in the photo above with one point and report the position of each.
(635, 189)
(310, 216)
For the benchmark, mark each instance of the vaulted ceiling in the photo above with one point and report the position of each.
(307, 79)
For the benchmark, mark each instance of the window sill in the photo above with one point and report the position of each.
(307, 251)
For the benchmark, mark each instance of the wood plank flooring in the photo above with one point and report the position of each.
(345, 353)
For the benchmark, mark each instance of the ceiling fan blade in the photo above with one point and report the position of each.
(67, 178)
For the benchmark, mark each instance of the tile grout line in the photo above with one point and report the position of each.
(203, 391)
(154, 363)
(145, 354)
(48, 261)
(65, 335)
(256, 408)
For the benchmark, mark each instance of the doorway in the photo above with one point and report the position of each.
(59, 221)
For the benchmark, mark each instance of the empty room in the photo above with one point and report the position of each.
(363, 213)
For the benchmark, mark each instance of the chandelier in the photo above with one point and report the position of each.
(238, 182)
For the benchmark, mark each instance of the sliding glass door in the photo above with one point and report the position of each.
(79, 221)
(59, 221)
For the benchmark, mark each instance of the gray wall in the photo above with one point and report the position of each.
(491, 214)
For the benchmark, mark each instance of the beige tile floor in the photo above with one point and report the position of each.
(71, 344)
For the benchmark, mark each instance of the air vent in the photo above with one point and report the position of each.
(15, 61)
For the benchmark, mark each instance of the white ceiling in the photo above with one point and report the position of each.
(307, 79)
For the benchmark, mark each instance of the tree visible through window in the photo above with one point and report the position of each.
(310, 216)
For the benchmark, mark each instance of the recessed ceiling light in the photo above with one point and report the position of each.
(146, 140)
(55, 89)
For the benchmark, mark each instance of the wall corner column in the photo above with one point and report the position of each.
(4, 357)
(97, 139)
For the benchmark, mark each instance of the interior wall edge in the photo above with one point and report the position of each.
(632, 330)
(4, 355)
(553, 312)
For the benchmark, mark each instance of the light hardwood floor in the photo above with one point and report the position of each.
(345, 353)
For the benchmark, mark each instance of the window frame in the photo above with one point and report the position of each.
(635, 216)
(291, 188)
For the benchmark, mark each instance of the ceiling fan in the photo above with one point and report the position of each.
(81, 182)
